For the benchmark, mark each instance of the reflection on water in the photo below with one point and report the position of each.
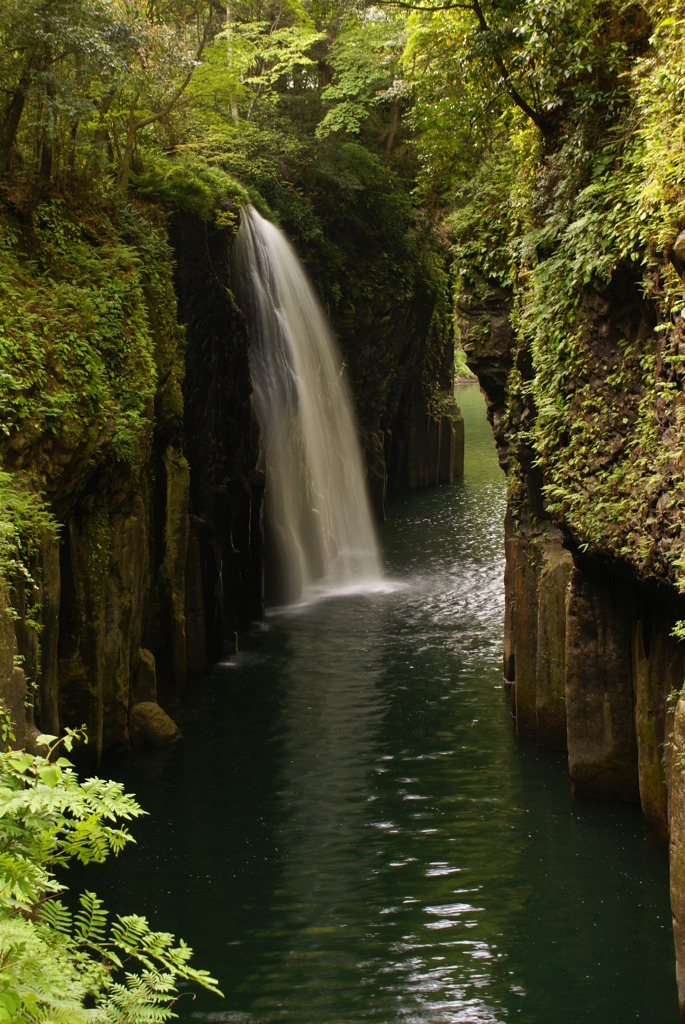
(350, 832)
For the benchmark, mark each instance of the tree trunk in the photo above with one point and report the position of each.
(47, 148)
(11, 119)
(229, 62)
(394, 121)
(127, 156)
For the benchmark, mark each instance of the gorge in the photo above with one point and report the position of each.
(382, 847)
(589, 654)
(498, 184)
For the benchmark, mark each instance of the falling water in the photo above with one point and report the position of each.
(318, 521)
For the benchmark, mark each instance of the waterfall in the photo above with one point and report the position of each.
(318, 522)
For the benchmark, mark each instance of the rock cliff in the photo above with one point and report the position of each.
(593, 597)
(129, 437)
(94, 426)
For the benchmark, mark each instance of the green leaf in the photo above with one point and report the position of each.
(50, 775)
(45, 739)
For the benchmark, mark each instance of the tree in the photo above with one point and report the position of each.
(57, 965)
(35, 39)
(158, 75)
(561, 64)
(366, 78)
(84, 77)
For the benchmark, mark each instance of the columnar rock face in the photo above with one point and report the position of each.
(550, 654)
(117, 485)
(225, 554)
(428, 449)
(677, 846)
(536, 585)
(600, 708)
(589, 648)
(658, 663)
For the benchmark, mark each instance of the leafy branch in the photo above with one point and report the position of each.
(56, 965)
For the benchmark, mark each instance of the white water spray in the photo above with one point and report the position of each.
(318, 520)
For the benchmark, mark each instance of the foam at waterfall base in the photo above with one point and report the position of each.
(323, 590)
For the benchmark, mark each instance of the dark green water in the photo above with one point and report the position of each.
(350, 832)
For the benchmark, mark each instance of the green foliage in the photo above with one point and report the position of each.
(610, 430)
(57, 964)
(24, 522)
(76, 347)
(462, 370)
(188, 183)
(559, 63)
(362, 83)
(84, 81)
(573, 208)
(493, 210)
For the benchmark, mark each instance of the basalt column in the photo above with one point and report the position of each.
(224, 584)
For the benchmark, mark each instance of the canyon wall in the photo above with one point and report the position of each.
(593, 598)
(137, 445)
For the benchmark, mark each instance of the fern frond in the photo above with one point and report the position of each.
(91, 919)
(147, 998)
(56, 916)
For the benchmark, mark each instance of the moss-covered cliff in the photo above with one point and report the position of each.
(570, 311)
(131, 500)
(92, 415)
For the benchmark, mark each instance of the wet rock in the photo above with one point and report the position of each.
(374, 457)
(550, 666)
(144, 687)
(149, 725)
(50, 600)
(677, 847)
(169, 593)
(451, 445)
(509, 660)
(428, 449)
(221, 443)
(526, 576)
(196, 625)
(602, 744)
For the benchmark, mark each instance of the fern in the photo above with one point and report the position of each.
(144, 998)
(66, 968)
(91, 920)
(55, 916)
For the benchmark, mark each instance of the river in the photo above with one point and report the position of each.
(350, 832)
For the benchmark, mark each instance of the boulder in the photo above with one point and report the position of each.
(144, 688)
(150, 726)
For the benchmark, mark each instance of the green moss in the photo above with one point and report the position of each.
(184, 183)
(75, 345)
(167, 334)
(98, 554)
